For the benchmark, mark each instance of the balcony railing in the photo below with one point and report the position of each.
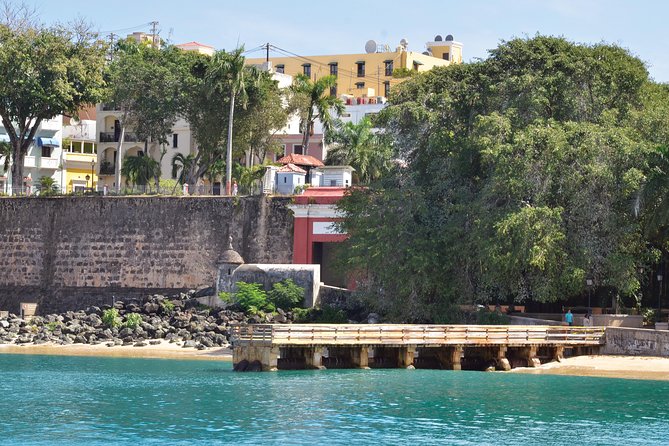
(107, 168)
(109, 107)
(114, 137)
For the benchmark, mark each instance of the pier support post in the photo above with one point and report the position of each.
(360, 357)
(501, 362)
(558, 353)
(450, 357)
(244, 357)
(406, 356)
(313, 358)
(529, 353)
(269, 358)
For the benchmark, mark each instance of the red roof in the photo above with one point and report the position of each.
(301, 160)
(194, 44)
(321, 195)
(290, 167)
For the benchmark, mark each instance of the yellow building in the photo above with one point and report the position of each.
(80, 171)
(369, 74)
(79, 152)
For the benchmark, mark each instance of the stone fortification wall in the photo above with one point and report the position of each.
(67, 252)
(636, 342)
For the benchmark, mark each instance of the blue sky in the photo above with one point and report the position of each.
(311, 27)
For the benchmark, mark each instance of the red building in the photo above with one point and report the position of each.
(315, 237)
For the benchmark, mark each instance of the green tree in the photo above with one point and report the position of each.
(520, 179)
(44, 72)
(357, 145)
(312, 101)
(146, 85)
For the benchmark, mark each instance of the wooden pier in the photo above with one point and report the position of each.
(266, 347)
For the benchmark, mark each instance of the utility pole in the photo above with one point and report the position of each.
(267, 56)
(111, 47)
(154, 42)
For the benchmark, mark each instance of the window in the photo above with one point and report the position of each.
(306, 69)
(415, 65)
(447, 56)
(175, 140)
(334, 68)
(389, 67)
(140, 153)
(333, 90)
(386, 88)
(280, 68)
(359, 85)
(297, 149)
(361, 69)
(333, 183)
(46, 151)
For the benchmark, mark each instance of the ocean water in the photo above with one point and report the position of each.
(50, 400)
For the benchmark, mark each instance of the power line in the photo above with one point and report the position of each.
(125, 29)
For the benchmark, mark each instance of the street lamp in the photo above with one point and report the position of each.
(659, 296)
(88, 177)
(589, 283)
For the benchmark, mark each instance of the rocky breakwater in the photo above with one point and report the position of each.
(155, 319)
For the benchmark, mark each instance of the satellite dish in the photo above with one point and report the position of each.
(449, 38)
(437, 38)
(427, 53)
(370, 47)
(404, 43)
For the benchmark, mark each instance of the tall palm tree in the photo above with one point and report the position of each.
(313, 103)
(230, 75)
(182, 166)
(357, 145)
(140, 170)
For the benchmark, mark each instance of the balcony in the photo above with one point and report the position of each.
(40, 162)
(107, 168)
(109, 107)
(113, 137)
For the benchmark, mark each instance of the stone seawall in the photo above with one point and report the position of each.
(67, 252)
(636, 342)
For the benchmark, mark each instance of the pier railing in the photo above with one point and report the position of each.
(421, 335)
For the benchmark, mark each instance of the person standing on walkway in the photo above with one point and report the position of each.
(569, 318)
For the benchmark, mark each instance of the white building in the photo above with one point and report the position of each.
(44, 157)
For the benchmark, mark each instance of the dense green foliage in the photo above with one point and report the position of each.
(286, 294)
(525, 173)
(44, 72)
(252, 297)
(111, 318)
(358, 146)
(132, 320)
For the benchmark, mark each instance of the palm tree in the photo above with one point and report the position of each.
(357, 145)
(140, 170)
(229, 75)
(313, 103)
(182, 166)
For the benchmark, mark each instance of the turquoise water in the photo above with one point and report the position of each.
(96, 401)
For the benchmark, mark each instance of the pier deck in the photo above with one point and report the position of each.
(277, 346)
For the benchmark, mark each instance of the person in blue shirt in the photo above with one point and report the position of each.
(569, 318)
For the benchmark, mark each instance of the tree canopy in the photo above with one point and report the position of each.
(44, 72)
(522, 174)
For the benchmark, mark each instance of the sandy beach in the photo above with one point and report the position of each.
(164, 350)
(628, 367)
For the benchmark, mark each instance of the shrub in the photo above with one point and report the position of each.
(167, 306)
(323, 315)
(252, 295)
(286, 294)
(133, 320)
(111, 318)
(226, 297)
(51, 326)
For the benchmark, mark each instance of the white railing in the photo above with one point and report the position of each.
(388, 334)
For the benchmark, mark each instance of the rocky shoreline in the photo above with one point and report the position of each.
(180, 320)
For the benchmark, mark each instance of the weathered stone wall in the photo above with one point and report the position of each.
(636, 342)
(67, 252)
